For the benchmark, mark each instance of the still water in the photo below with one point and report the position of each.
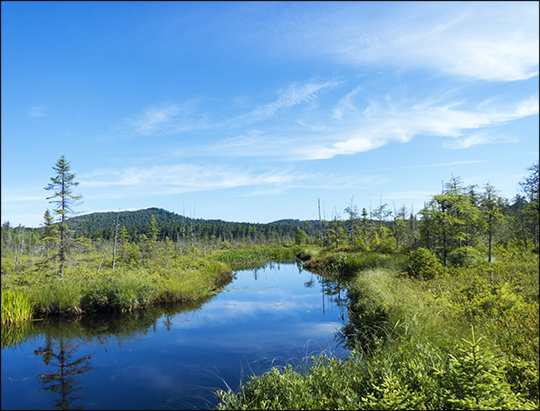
(175, 357)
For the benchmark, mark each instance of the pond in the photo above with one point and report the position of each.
(175, 357)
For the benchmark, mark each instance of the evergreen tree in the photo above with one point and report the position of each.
(64, 198)
(154, 229)
(449, 219)
(530, 187)
(49, 233)
(491, 206)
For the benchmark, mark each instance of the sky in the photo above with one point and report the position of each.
(260, 111)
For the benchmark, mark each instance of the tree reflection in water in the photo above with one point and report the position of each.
(62, 382)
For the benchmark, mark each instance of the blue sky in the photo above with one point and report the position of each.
(253, 112)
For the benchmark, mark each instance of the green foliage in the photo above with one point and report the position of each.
(64, 198)
(257, 255)
(126, 295)
(301, 237)
(475, 380)
(349, 263)
(464, 257)
(423, 264)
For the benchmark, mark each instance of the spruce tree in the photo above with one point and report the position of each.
(64, 198)
(50, 232)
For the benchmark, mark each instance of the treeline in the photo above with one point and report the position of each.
(460, 225)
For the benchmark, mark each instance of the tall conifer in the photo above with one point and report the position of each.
(65, 199)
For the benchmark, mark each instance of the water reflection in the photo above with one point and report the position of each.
(62, 382)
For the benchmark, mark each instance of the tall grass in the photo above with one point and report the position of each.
(411, 313)
(16, 307)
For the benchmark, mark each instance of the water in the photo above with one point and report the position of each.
(175, 357)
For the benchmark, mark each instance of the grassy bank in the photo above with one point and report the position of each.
(463, 338)
(124, 288)
(163, 277)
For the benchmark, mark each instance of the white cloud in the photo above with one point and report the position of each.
(495, 41)
(345, 104)
(453, 163)
(163, 120)
(36, 111)
(359, 130)
(9, 199)
(184, 178)
(293, 95)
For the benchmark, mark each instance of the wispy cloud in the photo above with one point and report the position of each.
(185, 178)
(399, 122)
(10, 199)
(293, 95)
(358, 129)
(345, 104)
(180, 178)
(36, 111)
(163, 119)
(476, 40)
(479, 138)
(170, 119)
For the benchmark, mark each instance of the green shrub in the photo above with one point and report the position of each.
(424, 264)
(464, 257)
(127, 294)
(96, 300)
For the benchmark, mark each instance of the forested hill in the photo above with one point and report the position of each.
(106, 220)
(174, 226)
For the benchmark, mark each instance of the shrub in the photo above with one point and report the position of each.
(422, 263)
(464, 257)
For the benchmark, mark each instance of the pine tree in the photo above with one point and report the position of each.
(64, 199)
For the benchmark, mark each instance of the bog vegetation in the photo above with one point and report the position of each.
(443, 311)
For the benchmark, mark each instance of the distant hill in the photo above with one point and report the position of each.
(174, 226)
(106, 220)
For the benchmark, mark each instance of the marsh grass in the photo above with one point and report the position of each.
(348, 264)
(412, 313)
(16, 307)
(81, 290)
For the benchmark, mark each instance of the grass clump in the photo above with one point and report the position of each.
(347, 264)
(16, 307)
